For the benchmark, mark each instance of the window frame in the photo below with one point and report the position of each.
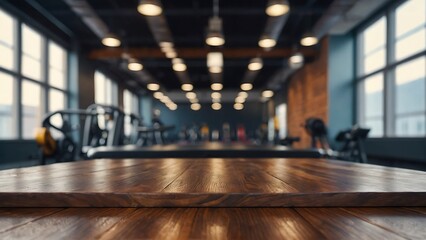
(44, 81)
(391, 63)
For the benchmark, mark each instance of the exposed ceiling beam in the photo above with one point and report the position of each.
(189, 53)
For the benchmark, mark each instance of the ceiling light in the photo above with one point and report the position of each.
(165, 100)
(167, 49)
(215, 62)
(296, 61)
(172, 106)
(215, 40)
(166, 44)
(191, 95)
(153, 86)
(243, 94)
(216, 106)
(187, 87)
(171, 54)
(214, 59)
(178, 65)
(134, 65)
(255, 64)
(111, 40)
(216, 100)
(195, 106)
(215, 36)
(246, 86)
(158, 95)
(267, 93)
(308, 40)
(240, 99)
(267, 42)
(150, 7)
(238, 106)
(264, 99)
(277, 8)
(215, 69)
(193, 100)
(216, 86)
(216, 95)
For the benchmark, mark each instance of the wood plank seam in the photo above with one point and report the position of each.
(186, 169)
(33, 220)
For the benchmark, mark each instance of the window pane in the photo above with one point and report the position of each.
(56, 102)
(373, 104)
(31, 42)
(7, 124)
(375, 61)
(411, 126)
(31, 108)
(57, 78)
(375, 36)
(410, 87)
(31, 68)
(410, 15)
(373, 90)
(411, 44)
(99, 88)
(127, 101)
(57, 56)
(7, 29)
(376, 127)
(7, 59)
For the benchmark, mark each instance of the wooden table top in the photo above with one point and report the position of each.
(213, 182)
(203, 150)
(213, 223)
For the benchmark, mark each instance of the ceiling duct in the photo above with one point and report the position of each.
(272, 30)
(89, 17)
(361, 10)
(332, 16)
(159, 28)
(274, 26)
(95, 23)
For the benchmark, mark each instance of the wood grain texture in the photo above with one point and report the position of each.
(335, 223)
(211, 183)
(213, 223)
(71, 223)
(404, 222)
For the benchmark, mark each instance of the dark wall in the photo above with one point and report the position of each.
(86, 83)
(250, 116)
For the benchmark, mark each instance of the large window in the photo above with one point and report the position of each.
(32, 81)
(391, 72)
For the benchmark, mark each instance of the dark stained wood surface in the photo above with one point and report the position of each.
(213, 223)
(211, 183)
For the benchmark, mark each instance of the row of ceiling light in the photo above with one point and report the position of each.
(214, 37)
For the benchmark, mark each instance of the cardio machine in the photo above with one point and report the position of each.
(352, 139)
